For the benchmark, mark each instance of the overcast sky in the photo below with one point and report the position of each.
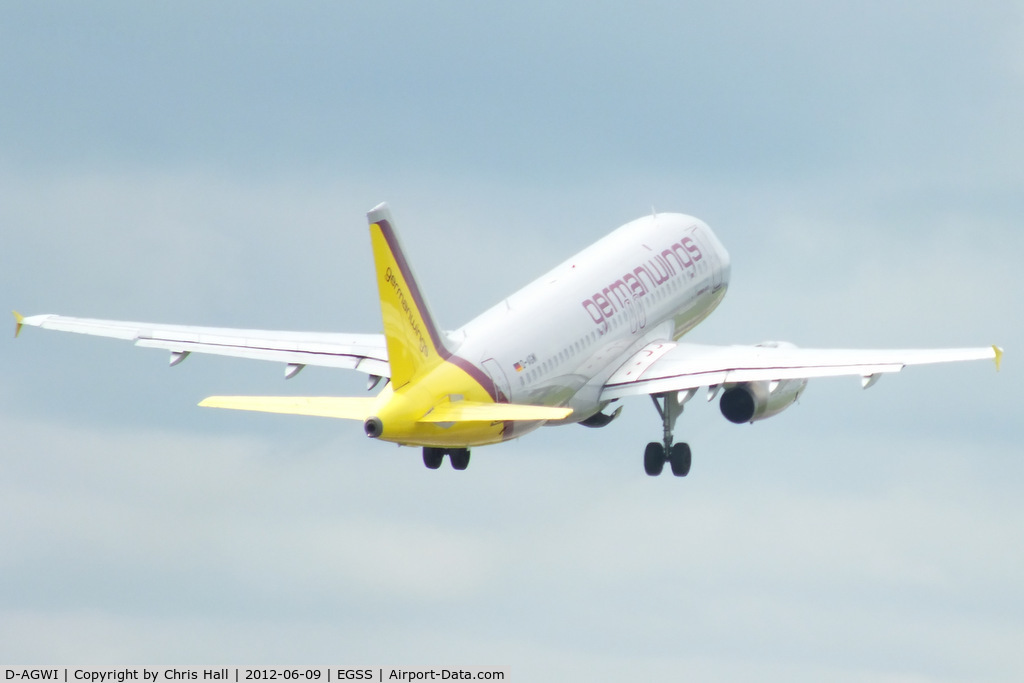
(212, 163)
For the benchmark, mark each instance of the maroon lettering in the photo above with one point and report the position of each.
(669, 253)
(591, 308)
(634, 284)
(679, 258)
(606, 306)
(692, 247)
(639, 271)
(684, 256)
(660, 271)
(621, 292)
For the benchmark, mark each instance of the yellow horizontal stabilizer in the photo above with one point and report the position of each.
(19, 320)
(473, 411)
(999, 356)
(345, 408)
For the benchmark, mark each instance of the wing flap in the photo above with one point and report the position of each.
(657, 369)
(255, 351)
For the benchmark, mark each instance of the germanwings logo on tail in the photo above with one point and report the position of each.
(414, 345)
(414, 325)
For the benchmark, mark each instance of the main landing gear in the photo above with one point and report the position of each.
(433, 457)
(677, 455)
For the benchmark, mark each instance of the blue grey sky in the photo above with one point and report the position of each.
(212, 164)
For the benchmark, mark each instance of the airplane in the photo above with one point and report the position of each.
(602, 326)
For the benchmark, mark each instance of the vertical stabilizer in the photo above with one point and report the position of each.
(414, 343)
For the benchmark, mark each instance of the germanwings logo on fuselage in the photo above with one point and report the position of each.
(680, 258)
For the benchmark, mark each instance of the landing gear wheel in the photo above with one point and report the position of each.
(654, 459)
(669, 406)
(432, 457)
(459, 458)
(680, 459)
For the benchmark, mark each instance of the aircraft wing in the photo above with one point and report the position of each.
(364, 352)
(668, 366)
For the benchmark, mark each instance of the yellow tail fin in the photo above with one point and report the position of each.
(415, 345)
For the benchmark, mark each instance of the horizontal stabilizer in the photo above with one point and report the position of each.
(345, 408)
(473, 411)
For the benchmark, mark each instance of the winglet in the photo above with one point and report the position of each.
(999, 356)
(19, 320)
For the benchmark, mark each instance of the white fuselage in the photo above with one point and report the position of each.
(557, 340)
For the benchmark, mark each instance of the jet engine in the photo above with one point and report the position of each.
(753, 401)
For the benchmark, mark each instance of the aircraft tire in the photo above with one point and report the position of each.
(681, 459)
(459, 458)
(433, 457)
(654, 459)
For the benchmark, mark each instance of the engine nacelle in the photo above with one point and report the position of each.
(753, 401)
